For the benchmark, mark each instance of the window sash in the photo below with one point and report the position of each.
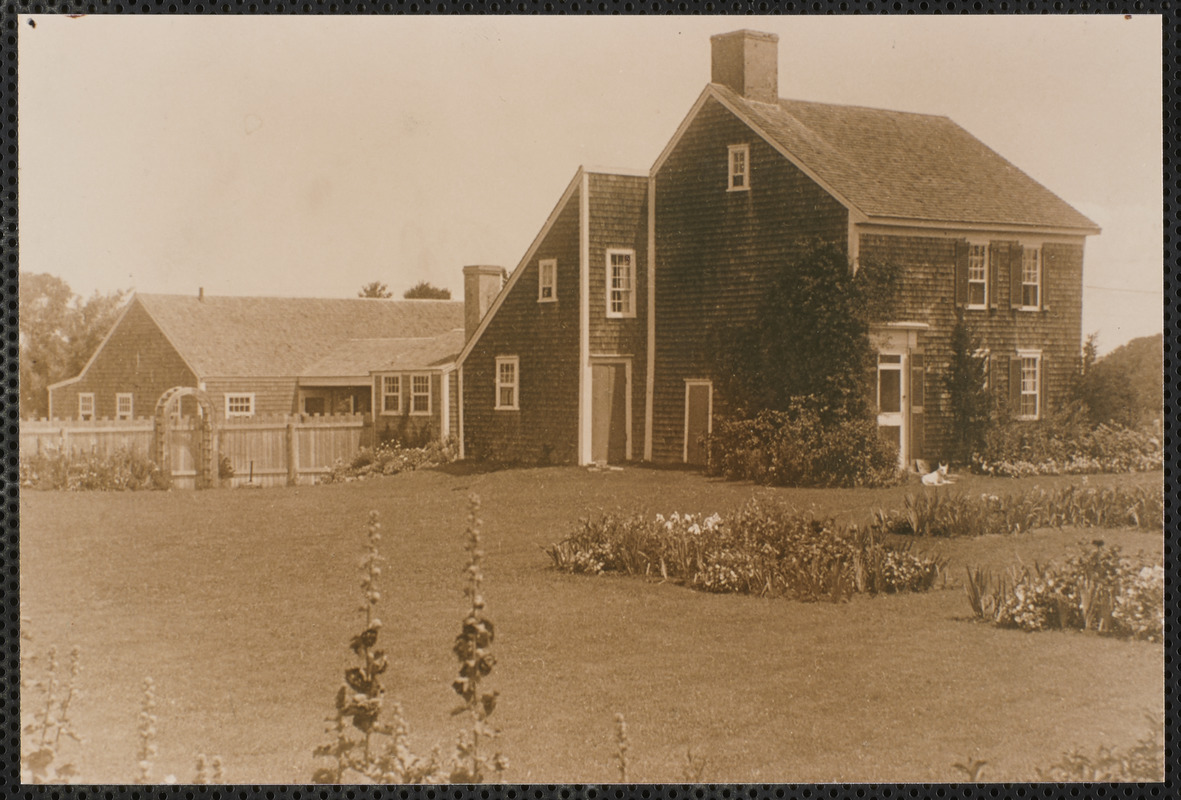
(86, 405)
(621, 296)
(1030, 386)
(420, 394)
(239, 405)
(978, 275)
(124, 406)
(1030, 277)
(547, 279)
(739, 168)
(391, 394)
(507, 383)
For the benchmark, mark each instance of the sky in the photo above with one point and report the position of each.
(307, 156)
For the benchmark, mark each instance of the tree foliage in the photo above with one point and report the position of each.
(1126, 386)
(809, 339)
(970, 400)
(59, 331)
(425, 291)
(375, 289)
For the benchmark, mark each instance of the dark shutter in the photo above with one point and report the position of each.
(961, 273)
(1014, 385)
(1016, 254)
(1045, 279)
(1041, 387)
(998, 265)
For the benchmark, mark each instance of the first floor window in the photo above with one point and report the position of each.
(1030, 389)
(547, 280)
(739, 168)
(391, 394)
(239, 405)
(978, 275)
(1031, 277)
(507, 383)
(621, 283)
(86, 406)
(420, 394)
(124, 405)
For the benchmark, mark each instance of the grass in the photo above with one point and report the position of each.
(240, 605)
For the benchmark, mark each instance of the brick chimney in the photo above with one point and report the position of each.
(747, 62)
(481, 284)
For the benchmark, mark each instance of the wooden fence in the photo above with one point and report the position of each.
(263, 451)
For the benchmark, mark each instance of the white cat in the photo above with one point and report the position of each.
(937, 477)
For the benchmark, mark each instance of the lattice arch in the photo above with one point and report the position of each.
(206, 459)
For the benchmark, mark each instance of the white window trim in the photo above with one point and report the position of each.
(515, 383)
(130, 405)
(1037, 306)
(238, 396)
(382, 394)
(427, 394)
(629, 310)
(987, 276)
(83, 414)
(1037, 392)
(730, 172)
(550, 265)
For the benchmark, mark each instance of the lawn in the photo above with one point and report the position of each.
(240, 604)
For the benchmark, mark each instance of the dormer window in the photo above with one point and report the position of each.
(739, 168)
(547, 280)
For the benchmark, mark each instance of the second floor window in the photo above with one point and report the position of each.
(1031, 277)
(739, 168)
(621, 283)
(978, 276)
(547, 280)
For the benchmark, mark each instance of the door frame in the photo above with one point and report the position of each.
(899, 339)
(709, 413)
(626, 361)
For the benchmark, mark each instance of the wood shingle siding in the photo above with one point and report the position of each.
(718, 252)
(927, 293)
(136, 358)
(544, 336)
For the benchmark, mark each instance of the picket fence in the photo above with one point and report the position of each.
(277, 450)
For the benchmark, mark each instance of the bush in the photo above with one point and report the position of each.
(1143, 762)
(797, 448)
(937, 513)
(123, 470)
(766, 550)
(1097, 589)
(390, 458)
(1065, 444)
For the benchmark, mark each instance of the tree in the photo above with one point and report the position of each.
(809, 339)
(970, 400)
(1126, 386)
(425, 291)
(375, 289)
(59, 331)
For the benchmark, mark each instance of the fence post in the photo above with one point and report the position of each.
(65, 445)
(292, 454)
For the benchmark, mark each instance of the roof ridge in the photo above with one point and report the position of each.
(859, 107)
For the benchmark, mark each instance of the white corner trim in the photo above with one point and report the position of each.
(650, 367)
(584, 377)
(459, 391)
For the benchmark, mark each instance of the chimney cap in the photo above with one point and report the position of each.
(747, 32)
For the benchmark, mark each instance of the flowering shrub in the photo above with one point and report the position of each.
(1065, 445)
(390, 458)
(798, 448)
(1097, 589)
(1143, 762)
(123, 470)
(766, 550)
(939, 513)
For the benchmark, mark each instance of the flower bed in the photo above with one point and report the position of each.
(120, 471)
(1096, 589)
(940, 513)
(390, 458)
(762, 549)
(1065, 447)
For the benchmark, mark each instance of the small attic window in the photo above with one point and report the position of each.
(739, 172)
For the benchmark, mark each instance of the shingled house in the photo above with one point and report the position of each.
(597, 348)
(268, 355)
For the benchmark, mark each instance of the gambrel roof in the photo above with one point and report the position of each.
(283, 336)
(897, 166)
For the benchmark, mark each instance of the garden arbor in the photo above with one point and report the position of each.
(203, 441)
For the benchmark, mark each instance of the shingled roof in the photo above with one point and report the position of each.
(282, 336)
(356, 357)
(900, 165)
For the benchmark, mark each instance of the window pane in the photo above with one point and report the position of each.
(975, 293)
(889, 390)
